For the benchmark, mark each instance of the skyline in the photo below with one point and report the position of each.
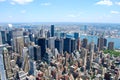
(101, 11)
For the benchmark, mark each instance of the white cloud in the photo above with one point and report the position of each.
(21, 1)
(2, 0)
(46, 4)
(23, 11)
(114, 12)
(118, 3)
(105, 2)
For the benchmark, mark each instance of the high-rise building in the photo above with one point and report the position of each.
(42, 33)
(51, 43)
(18, 44)
(0, 39)
(76, 35)
(7, 66)
(52, 30)
(78, 44)
(48, 34)
(9, 37)
(42, 44)
(91, 53)
(111, 46)
(73, 45)
(4, 38)
(67, 45)
(26, 41)
(32, 69)
(85, 43)
(59, 45)
(37, 52)
(101, 43)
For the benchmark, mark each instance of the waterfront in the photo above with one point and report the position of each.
(95, 38)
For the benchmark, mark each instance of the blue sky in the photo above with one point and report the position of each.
(107, 11)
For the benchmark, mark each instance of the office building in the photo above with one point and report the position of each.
(76, 35)
(111, 46)
(52, 30)
(91, 53)
(18, 44)
(51, 43)
(59, 45)
(67, 45)
(26, 41)
(42, 44)
(0, 39)
(85, 43)
(102, 42)
(35, 52)
(32, 69)
(78, 44)
(4, 37)
(73, 45)
(7, 67)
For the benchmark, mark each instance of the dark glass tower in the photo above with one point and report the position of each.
(67, 45)
(52, 30)
(59, 45)
(73, 45)
(42, 44)
(85, 42)
(102, 42)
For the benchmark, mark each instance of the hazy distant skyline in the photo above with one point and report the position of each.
(60, 11)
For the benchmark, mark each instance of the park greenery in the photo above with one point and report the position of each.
(112, 52)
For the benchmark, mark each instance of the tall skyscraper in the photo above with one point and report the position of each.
(7, 66)
(32, 69)
(67, 45)
(0, 38)
(73, 45)
(37, 53)
(51, 43)
(91, 53)
(18, 44)
(111, 46)
(85, 43)
(78, 44)
(76, 35)
(4, 38)
(52, 30)
(42, 44)
(59, 45)
(101, 43)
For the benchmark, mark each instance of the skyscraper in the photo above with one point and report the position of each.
(67, 45)
(59, 45)
(101, 43)
(111, 46)
(4, 38)
(85, 43)
(73, 45)
(42, 44)
(51, 43)
(78, 44)
(91, 53)
(76, 35)
(19, 44)
(0, 39)
(52, 30)
(37, 52)
(7, 66)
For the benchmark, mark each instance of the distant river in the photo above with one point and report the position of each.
(95, 38)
